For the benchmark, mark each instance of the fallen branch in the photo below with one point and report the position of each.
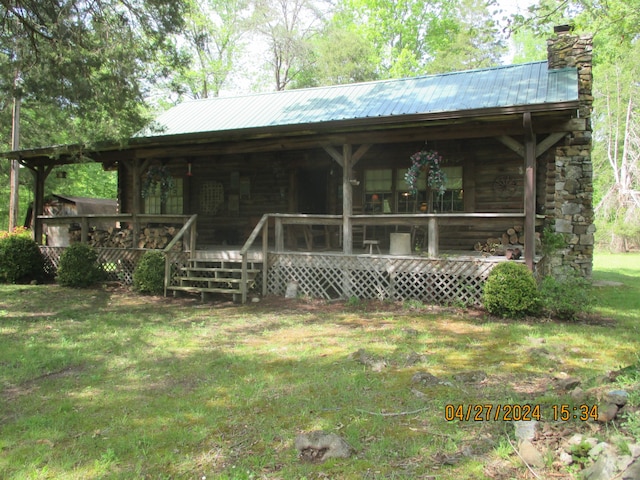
(396, 414)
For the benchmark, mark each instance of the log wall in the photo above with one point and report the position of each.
(231, 192)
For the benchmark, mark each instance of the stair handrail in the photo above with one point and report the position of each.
(244, 253)
(189, 224)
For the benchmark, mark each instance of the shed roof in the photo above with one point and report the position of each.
(492, 88)
(89, 206)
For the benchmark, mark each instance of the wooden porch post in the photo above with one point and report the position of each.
(347, 200)
(432, 237)
(529, 192)
(137, 169)
(40, 174)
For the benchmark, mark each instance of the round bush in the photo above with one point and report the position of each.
(20, 259)
(511, 291)
(148, 276)
(78, 266)
(566, 297)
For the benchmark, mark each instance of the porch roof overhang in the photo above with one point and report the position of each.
(476, 123)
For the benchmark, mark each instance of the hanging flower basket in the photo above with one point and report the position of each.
(157, 176)
(430, 160)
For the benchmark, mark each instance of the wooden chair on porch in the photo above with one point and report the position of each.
(369, 242)
(310, 234)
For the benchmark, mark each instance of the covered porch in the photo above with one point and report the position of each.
(306, 253)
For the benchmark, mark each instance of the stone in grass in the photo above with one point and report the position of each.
(318, 446)
(618, 397)
(530, 454)
(475, 376)
(376, 364)
(568, 384)
(525, 430)
(425, 378)
(633, 471)
(603, 469)
(607, 413)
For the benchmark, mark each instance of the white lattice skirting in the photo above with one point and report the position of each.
(118, 263)
(328, 276)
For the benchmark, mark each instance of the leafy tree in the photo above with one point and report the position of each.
(214, 32)
(614, 23)
(413, 37)
(82, 66)
(82, 69)
(528, 47)
(617, 151)
(338, 57)
(288, 27)
(616, 155)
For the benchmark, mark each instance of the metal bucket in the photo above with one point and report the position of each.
(400, 244)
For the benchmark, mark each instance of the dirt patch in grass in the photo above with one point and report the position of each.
(14, 392)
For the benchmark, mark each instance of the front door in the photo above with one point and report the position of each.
(312, 190)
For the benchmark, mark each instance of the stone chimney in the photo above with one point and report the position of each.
(569, 167)
(567, 50)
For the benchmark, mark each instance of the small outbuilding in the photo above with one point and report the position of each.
(65, 206)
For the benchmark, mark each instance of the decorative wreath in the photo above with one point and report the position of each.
(435, 176)
(157, 176)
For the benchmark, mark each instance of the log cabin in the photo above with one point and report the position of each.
(307, 189)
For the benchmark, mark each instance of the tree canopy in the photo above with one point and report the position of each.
(94, 70)
(82, 67)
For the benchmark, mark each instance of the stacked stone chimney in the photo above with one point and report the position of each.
(571, 212)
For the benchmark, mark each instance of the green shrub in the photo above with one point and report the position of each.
(511, 291)
(78, 266)
(565, 297)
(20, 259)
(552, 241)
(148, 276)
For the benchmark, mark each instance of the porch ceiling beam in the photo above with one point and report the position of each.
(247, 142)
(364, 148)
(511, 144)
(542, 147)
(549, 142)
(333, 153)
(338, 157)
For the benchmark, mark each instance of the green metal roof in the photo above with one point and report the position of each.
(492, 88)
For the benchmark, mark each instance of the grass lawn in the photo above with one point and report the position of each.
(105, 384)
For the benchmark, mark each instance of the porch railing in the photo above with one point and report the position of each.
(430, 221)
(136, 220)
(189, 226)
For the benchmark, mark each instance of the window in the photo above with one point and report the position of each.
(406, 202)
(174, 204)
(378, 191)
(386, 191)
(452, 200)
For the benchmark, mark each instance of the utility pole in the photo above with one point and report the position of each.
(14, 181)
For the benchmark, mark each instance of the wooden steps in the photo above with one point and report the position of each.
(205, 275)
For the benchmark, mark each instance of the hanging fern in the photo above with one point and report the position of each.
(157, 176)
(436, 178)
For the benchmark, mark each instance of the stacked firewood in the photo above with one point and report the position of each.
(509, 243)
(109, 238)
(156, 237)
(148, 238)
